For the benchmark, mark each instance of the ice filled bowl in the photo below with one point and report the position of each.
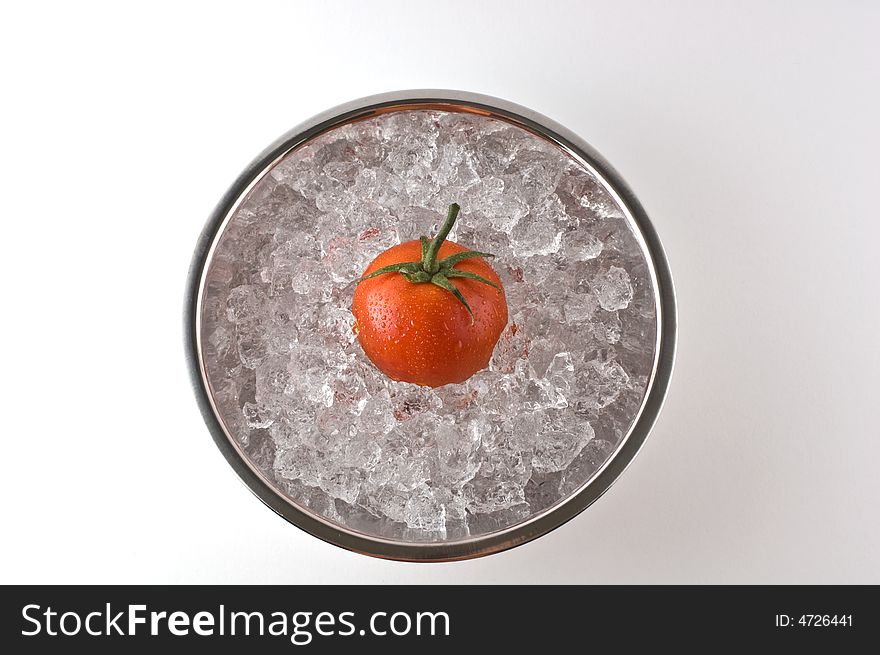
(390, 468)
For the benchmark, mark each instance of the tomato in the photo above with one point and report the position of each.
(430, 312)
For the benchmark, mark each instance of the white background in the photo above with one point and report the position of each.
(748, 130)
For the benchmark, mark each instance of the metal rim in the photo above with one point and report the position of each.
(549, 518)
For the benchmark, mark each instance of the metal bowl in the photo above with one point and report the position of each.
(543, 521)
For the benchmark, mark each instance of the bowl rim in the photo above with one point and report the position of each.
(544, 521)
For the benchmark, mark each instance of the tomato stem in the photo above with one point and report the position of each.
(429, 258)
(438, 272)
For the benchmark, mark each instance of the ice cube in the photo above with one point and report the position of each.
(613, 288)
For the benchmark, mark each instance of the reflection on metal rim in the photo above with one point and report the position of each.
(540, 523)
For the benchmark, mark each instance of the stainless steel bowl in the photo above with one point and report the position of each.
(536, 525)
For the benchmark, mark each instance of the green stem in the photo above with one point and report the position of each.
(428, 269)
(429, 259)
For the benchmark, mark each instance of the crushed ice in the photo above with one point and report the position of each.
(292, 384)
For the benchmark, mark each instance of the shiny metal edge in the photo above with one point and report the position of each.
(548, 519)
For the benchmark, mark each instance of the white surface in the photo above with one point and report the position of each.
(749, 132)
